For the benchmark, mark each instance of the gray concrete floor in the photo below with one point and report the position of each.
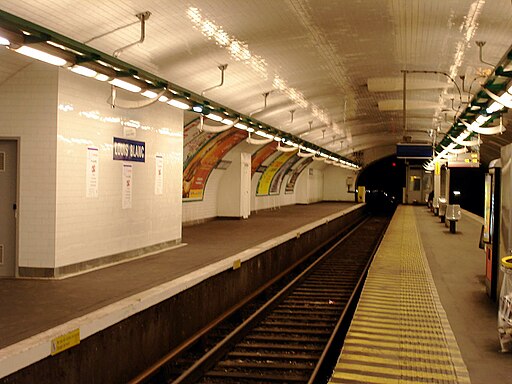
(28, 307)
(458, 268)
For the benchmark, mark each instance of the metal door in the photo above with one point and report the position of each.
(8, 175)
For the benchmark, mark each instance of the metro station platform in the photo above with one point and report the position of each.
(424, 316)
(33, 312)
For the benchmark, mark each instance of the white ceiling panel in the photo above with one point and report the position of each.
(320, 58)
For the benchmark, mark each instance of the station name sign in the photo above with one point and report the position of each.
(129, 150)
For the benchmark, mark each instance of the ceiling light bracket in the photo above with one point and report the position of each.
(143, 16)
(265, 96)
(222, 70)
(291, 115)
(480, 49)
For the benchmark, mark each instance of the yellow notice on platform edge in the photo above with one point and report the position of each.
(65, 341)
(237, 264)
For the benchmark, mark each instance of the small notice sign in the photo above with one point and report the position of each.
(159, 175)
(129, 150)
(65, 341)
(91, 176)
(127, 186)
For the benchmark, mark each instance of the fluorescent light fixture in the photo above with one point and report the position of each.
(87, 72)
(197, 108)
(494, 107)
(42, 56)
(227, 121)
(324, 155)
(178, 104)
(102, 77)
(277, 138)
(149, 94)
(4, 41)
(125, 85)
(482, 119)
(250, 129)
(214, 117)
(241, 126)
(264, 134)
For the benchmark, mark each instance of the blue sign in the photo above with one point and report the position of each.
(129, 150)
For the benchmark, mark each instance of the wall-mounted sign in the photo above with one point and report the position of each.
(129, 150)
(414, 151)
(127, 186)
(159, 174)
(92, 171)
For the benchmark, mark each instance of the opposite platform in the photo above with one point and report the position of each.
(400, 332)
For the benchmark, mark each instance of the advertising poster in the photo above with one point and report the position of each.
(275, 184)
(261, 155)
(199, 165)
(127, 186)
(193, 140)
(159, 174)
(290, 185)
(92, 172)
(263, 188)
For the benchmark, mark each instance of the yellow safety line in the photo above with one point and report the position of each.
(398, 362)
(351, 350)
(414, 331)
(400, 327)
(392, 325)
(399, 372)
(366, 379)
(397, 346)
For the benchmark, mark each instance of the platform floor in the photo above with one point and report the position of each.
(424, 316)
(29, 307)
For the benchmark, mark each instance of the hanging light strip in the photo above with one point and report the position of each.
(497, 96)
(40, 43)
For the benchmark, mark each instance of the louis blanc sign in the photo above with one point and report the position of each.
(129, 150)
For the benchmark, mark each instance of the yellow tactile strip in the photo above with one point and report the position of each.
(400, 333)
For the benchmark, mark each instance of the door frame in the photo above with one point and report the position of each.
(17, 141)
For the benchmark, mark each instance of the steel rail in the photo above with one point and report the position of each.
(207, 361)
(176, 352)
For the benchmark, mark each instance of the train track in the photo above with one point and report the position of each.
(290, 338)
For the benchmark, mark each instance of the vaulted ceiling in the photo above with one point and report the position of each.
(333, 68)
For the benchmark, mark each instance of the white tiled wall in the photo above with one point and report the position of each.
(28, 112)
(335, 184)
(56, 115)
(88, 228)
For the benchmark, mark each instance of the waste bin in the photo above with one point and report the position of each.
(453, 214)
(435, 206)
(505, 308)
(442, 208)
